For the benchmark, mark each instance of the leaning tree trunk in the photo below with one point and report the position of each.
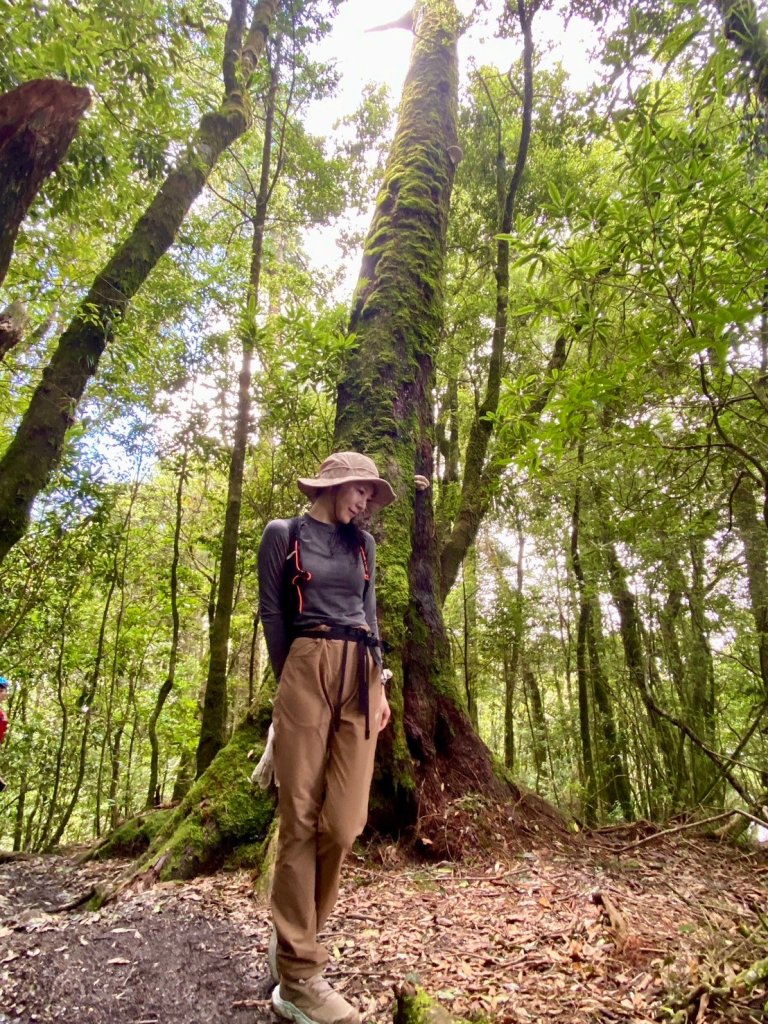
(385, 409)
(38, 121)
(39, 440)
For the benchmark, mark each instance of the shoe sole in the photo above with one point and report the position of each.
(289, 1010)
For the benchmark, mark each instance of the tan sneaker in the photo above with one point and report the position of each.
(312, 1001)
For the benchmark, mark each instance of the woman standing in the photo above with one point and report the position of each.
(317, 603)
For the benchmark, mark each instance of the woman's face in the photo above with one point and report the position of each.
(351, 501)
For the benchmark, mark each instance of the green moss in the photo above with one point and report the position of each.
(414, 1006)
(417, 1007)
(133, 836)
(221, 812)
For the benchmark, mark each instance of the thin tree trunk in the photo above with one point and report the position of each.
(632, 641)
(87, 707)
(518, 641)
(613, 768)
(213, 726)
(582, 673)
(254, 661)
(510, 687)
(469, 604)
(536, 721)
(701, 678)
(114, 774)
(38, 443)
(754, 539)
(170, 678)
(476, 481)
(18, 823)
(63, 731)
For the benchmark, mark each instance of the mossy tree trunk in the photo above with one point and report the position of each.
(385, 409)
(222, 820)
(37, 446)
(754, 538)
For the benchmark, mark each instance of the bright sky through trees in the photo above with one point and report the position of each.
(362, 57)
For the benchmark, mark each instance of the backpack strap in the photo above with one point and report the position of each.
(366, 570)
(294, 575)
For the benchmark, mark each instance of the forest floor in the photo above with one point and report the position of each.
(540, 928)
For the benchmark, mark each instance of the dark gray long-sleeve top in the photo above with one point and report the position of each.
(334, 595)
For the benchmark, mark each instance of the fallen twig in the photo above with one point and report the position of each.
(677, 828)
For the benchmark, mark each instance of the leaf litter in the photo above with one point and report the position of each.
(574, 929)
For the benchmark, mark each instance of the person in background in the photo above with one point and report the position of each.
(317, 600)
(3, 718)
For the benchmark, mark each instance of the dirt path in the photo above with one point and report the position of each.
(573, 935)
(176, 954)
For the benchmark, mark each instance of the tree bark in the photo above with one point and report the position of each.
(469, 604)
(582, 672)
(754, 539)
(476, 480)
(37, 446)
(385, 409)
(213, 726)
(165, 689)
(38, 121)
(13, 321)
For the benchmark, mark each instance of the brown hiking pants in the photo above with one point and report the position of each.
(324, 776)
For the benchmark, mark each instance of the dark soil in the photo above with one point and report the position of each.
(176, 954)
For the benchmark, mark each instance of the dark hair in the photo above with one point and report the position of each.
(349, 537)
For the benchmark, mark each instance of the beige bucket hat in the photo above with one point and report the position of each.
(347, 468)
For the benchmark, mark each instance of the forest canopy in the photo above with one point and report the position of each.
(586, 387)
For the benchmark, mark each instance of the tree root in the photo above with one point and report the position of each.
(222, 821)
(706, 993)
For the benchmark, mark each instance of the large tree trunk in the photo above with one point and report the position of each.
(38, 121)
(385, 409)
(38, 443)
(222, 819)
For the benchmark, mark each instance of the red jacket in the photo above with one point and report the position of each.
(3, 725)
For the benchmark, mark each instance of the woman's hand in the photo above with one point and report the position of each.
(385, 712)
(422, 483)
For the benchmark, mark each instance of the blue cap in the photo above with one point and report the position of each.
(3, 683)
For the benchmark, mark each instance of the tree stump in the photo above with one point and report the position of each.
(38, 121)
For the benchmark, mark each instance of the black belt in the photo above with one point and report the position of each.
(365, 640)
